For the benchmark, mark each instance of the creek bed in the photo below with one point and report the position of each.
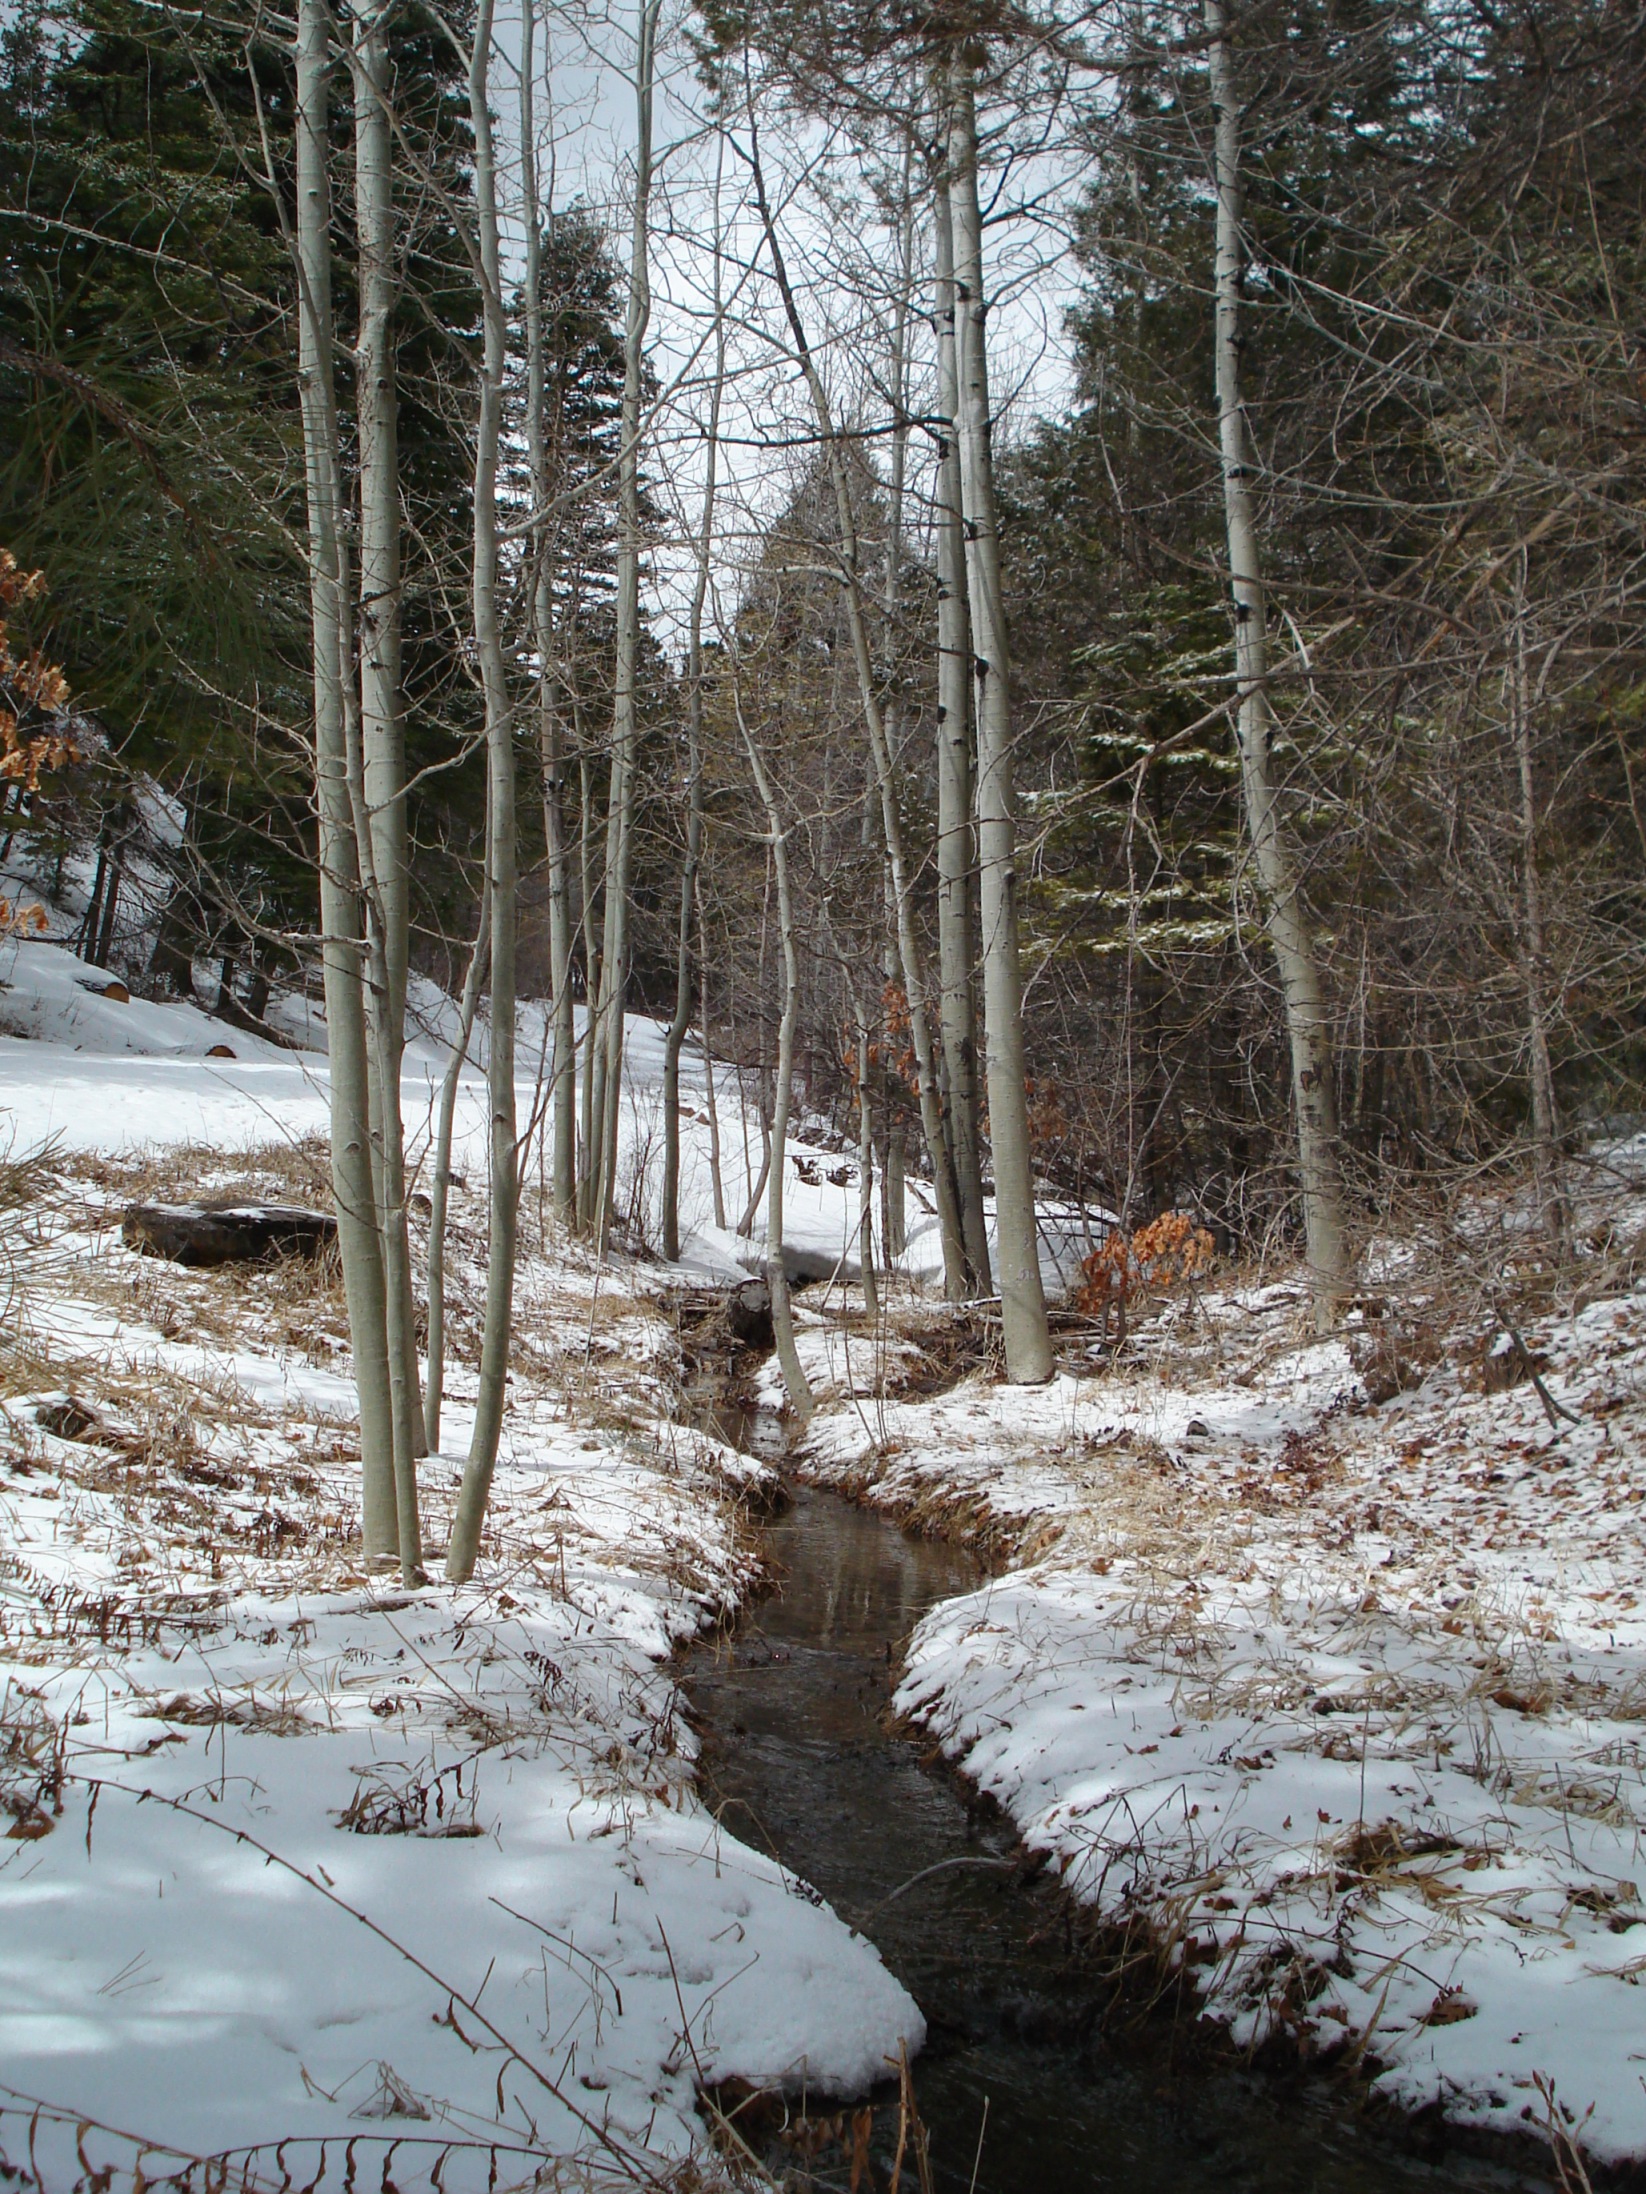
(800, 1758)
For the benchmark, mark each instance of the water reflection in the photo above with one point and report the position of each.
(798, 1758)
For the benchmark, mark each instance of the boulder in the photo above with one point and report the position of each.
(749, 1314)
(805, 1266)
(227, 1233)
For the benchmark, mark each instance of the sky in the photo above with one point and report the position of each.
(846, 264)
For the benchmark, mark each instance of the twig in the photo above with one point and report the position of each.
(1553, 1410)
(634, 2166)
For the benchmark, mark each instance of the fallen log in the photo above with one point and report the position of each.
(227, 1233)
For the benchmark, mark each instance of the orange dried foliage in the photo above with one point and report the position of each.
(22, 918)
(16, 584)
(1153, 1260)
(1048, 1122)
(899, 1029)
(27, 753)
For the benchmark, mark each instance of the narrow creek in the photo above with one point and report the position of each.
(800, 1756)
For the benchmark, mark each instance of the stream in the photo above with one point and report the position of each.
(799, 1758)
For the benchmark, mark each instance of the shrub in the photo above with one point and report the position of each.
(1164, 1254)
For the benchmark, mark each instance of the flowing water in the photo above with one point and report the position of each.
(1018, 2084)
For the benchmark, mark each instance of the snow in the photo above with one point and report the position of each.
(59, 882)
(51, 995)
(1337, 1705)
(1340, 1705)
(81, 1072)
(207, 1703)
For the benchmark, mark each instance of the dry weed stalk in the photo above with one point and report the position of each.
(1570, 2169)
(58, 2146)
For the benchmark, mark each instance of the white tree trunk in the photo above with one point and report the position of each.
(717, 1186)
(865, 1172)
(383, 758)
(359, 1238)
(501, 877)
(893, 1201)
(956, 840)
(591, 977)
(563, 1069)
(694, 774)
(440, 1182)
(563, 1062)
(1022, 1298)
(795, 1383)
(1307, 1028)
(620, 825)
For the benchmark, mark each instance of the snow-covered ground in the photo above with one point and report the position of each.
(291, 1855)
(1336, 1708)
(86, 1072)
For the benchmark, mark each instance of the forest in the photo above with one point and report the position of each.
(837, 800)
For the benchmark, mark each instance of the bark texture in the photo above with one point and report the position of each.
(956, 841)
(1307, 1027)
(1017, 1255)
(501, 873)
(353, 1188)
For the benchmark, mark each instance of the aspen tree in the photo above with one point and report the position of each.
(501, 875)
(956, 840)
(717, 1186)
(359, 1236)
(691, 867)
(563, 1067)
(380, 823)
(865, 1172)
(608, 1032)
(440, 1177)
(1022, 1297)
(795, 1383)
(1307, 1028)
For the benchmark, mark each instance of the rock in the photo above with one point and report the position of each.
(802, 1266)
(67, 1419)
(749, 1314)
(227, 1233)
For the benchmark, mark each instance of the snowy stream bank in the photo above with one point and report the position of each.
(1339, 1702)
(298, 1860)
(1334, 1708)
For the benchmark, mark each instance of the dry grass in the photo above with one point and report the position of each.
(46, 2146)
(293, 1172)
